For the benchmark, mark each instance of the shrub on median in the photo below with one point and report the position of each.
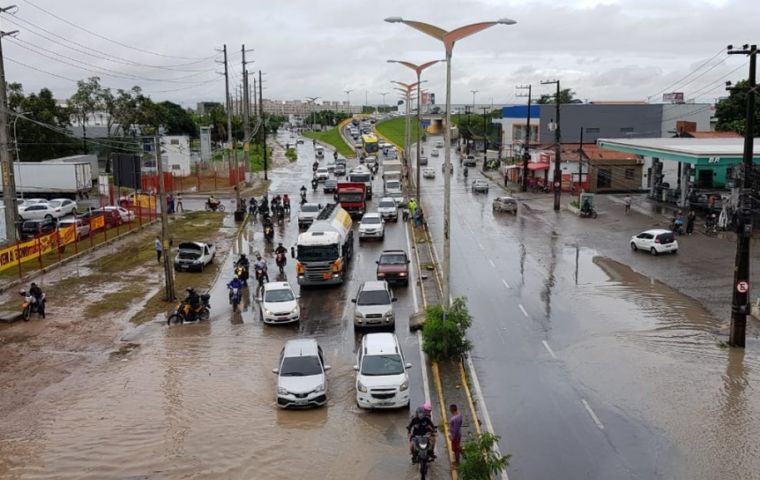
(444, 336)
(479, 459)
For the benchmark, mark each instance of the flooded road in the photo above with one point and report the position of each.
(589, 368)
(197, 401)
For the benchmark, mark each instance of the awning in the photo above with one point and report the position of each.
(538, 166)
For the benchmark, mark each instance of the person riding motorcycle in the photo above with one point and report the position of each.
(39, 298)
(315, 166)
(419, 425)
(314, 183)
(233, 284)
(303, 190)
(261, 269)
(335, 155)
(193, 300)
(280, 249)
(281, 256)
(252, 205)
(212, 202)
(286, 202)
(465, 171)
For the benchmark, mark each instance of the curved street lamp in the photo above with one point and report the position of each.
(407, 89)
(448, 38)
(418, 69)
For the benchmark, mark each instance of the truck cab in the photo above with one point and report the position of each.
(352, 197)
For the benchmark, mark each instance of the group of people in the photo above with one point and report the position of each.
(421, 424)
(414, 211)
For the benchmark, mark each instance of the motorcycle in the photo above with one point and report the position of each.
(261, 277)
(214, 207)
(286, 206)
(281, 259)
(711, 225)
(279, 214)
(235, 298)
(589, 212)
(264, 209)
(422, 453)
(268, 233)
(241, 272)
(314, 184)
(676, 225)
(465, 172)
(303, 197)
(184, 314)
(31, 305)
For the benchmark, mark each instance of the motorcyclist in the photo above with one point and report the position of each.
(243, 261)
(193, 300)
(419, 425)
(261, 269)
(286, 202)
(314, 183)
(303, 191)
(586, 207)
(315, 166)
(39, 298)
(234, 283)
(267, 221)
(252, 205)
(335, 155)
(465, 172)
(212, 202)
(280, 249)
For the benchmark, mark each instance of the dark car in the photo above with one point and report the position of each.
(340, 169)
(32, 228)
(112, 217)
(330, 185)
(393, 267)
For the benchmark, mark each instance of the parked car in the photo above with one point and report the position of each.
(301, 378)
(279, 304)
(112, 217)
(330, 185)
(371, 226)
(381, 378)
(194, 256)
(428, 172)
(655, 241)
(388, 209)
(37, 211)
(505, 204)
(39, 226)
(308, 213)
(82, 226)
(66, 205)
(374, 305)
(479, 186)
(393, 267)
(30, 201)
(125, 214)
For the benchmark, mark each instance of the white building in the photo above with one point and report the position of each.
(175, 153)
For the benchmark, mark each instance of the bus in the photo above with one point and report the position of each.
(369, 144)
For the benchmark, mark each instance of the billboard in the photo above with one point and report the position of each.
(126, 170)
(673, 97)
(205, 144)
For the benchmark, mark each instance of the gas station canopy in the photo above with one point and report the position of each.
(709, 152)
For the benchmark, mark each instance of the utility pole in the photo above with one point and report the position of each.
(246, 99)
(580, 168)
(263, 127)
(255, 95)
(526, 147)
(348, 102)
(557, 159)
(169, 294)
(740, 306)
(485, 134)
(6, 161)
(230, 145)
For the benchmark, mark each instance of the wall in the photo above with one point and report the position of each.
(601, 121)
(176, 154)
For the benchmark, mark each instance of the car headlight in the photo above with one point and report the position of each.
(295, 310)
(267, 311)
(389, 314)
(320, 388)
(380, 274)
(402, 274)
(361, 387)
(404, 386)
(358, 316)
(282, 391)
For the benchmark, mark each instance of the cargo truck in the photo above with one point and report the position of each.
(363, 175)
(352, 197)
(52, 179)
(392, 169)
(324, 251)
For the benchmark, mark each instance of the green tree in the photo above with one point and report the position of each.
(566, 95)
(479, 459)
(444, 336)
(177, 120)
(38, 142)
(731, 112)
(84, 102)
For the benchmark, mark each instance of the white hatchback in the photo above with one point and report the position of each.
(67, 205)
(655, 241)
(301, 378)
(279, 304)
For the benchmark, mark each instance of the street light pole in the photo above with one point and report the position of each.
(6, 160)
(418, 69)
(557, 159)
(448, 38)
(485, 133)
(526, 152)
(348, 101)
(407, 89)
(383, 95)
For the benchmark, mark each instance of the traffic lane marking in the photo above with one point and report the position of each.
(549, 349)
(592, 414)
(524, 311)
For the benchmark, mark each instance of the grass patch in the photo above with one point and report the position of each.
(291, 154)
(116, 301)
(393, 130)
(332, 137)
(255, 157)
(575, 204)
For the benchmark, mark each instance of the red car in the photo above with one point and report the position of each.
(393, 267)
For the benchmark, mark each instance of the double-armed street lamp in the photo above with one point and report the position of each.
(406, 89)
(418, 69)
(448, 38)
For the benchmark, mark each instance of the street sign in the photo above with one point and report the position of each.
(742, 286)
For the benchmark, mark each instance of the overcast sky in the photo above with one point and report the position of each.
(603, 50)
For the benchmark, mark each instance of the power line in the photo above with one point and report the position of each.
(116, 42)
(720, 50)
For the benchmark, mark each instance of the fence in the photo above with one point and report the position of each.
(41, 251)
(205, 178)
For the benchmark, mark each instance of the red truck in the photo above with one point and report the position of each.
(352, 196)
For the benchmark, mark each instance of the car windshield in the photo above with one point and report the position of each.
(280, 295)
(374, 365)
(373, 297)
(370, 220)
(300, 366)
(386, 204)
(55, 203)
(317, 253)
(310, 208)
(189, 254)
(393, 259)
(390, 185)
(360, 177)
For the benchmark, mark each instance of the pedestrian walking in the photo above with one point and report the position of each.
(170, 203)
(690, 222)
(405, 214)
(159, 249)
(412, 205)
(627, 200)
(455, 432)
(180, 208)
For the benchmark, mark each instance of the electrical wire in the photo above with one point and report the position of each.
(116, 42)
(720, 50)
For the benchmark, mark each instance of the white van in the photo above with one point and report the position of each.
(381, 378)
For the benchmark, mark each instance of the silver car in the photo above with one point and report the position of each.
(371, 226)
(388, 209)
(505, 204)
(301, 378)
(374, 305)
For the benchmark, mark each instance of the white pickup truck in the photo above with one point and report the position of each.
(194, 256)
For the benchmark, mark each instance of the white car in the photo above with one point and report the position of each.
(439, 144)
(66, 205)
(82, 226)
(301, 378)
(38, 211)
(655, 241)
(126, 215)
(374, 305)
(434, 153)
(505, 204)
(428, 172)
(279, 304)
(25, 202)
(322, 174)
(371, 226)
(381, 378)
(388, 209)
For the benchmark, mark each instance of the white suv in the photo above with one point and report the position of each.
(388, 209)
(381, 379)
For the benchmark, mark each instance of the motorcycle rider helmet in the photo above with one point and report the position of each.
(427, 408)
(258, 257)
(420, 412)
